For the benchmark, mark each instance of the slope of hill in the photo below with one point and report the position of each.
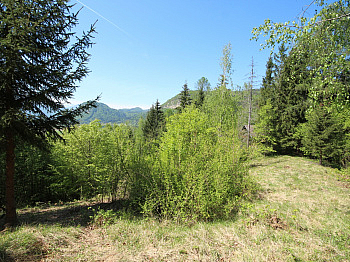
(110, 115)
(241, 95)
(174, 102)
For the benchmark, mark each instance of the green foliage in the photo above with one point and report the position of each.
(174, 102)
(197, 173)
(32, 94)
(267, 83)
(309, 87)
(284, 100)
(203, 86)
(222, 106)
(94, 159)
(103, 217)
(31, 178)
(226, 65)
(33, 175)
(42, 59)
(264, 129)
(323, 135)
(189, 167)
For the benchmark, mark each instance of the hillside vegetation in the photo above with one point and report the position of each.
(106, 114)
(301, 214)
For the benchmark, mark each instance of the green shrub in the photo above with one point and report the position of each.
(198, 173)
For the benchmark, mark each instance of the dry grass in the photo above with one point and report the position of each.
(302, 214)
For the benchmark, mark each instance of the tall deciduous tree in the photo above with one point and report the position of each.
(226, 65)
(325, 37)
(41, 61)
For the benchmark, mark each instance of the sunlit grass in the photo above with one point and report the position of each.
(302, 214)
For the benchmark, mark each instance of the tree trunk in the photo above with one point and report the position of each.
(11, 216)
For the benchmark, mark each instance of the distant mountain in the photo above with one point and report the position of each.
(110, 115)
(118, 116)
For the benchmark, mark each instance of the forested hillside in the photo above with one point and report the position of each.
(174, 102)
(106, 115)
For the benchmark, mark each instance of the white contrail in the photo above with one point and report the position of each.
(104, 18)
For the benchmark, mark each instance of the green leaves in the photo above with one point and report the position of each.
(197, 172)
(310, 87)
(185, 98)
(97, 158)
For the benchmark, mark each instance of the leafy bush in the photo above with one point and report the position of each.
(197, 174)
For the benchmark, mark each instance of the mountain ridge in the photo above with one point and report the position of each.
(106, 114)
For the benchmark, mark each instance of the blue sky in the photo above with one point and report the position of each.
(147, 49)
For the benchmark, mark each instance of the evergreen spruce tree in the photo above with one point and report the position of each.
(285, 92)
(154, 123)
(39, 69)
(203, 86)
(293, 85)
(266, 91)
(185, 98)
(200, 99)
(323, 134)
(267, 117)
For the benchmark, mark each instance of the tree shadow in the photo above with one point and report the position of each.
(74, 214)
(4, 256)
(270, 161)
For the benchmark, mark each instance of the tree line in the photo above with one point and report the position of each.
(304, 103)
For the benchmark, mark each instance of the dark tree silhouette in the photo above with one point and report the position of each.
(41, 60)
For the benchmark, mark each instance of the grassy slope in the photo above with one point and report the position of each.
(302, 214)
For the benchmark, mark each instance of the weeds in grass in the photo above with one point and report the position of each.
(103, 217)
(22, 244)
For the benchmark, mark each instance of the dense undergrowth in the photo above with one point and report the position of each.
(300, 214)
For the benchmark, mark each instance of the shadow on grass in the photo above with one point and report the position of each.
(4, 256)
(266, 162)
(74, 214)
